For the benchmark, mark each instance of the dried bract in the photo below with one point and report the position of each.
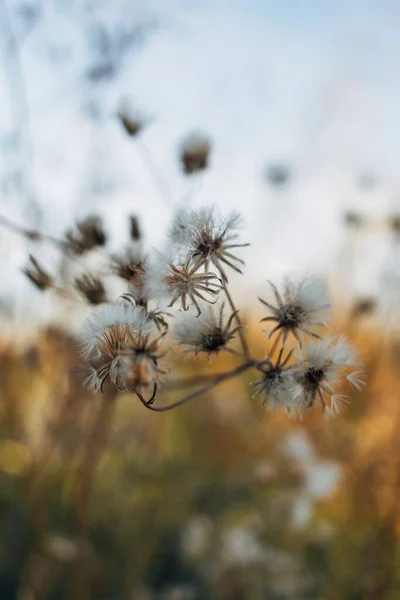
(208, 334)
(37, 275)
(300, 307)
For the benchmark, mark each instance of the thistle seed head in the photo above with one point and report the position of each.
(300, 307)
(208, 334)
(317, 374)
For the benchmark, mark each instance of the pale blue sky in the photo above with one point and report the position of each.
(314, 83)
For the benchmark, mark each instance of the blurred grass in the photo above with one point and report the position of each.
(102, 499)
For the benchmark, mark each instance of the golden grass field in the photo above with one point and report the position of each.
(101, 498)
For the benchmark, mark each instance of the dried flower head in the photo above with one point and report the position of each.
(300, 307)
(181, 281)
(353, 219)
(37, 275)
(208, 237)
(92, 288)
(208, 333)
(89, 234)
(194, 153)
(277, 174)
(321, 370)
(135, 230)
(131, 266)
(119, 344)
(364, 306)
(394, 224)
(276, 383)
(132, 122)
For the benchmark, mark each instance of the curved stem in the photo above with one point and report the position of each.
(155, 172)
(216, 381)
(242, 335)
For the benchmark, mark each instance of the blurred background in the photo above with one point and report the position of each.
(114, 114)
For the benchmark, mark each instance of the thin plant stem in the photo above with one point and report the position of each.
(31, 234)
(155, 172)
(211, 385)
(242, 335)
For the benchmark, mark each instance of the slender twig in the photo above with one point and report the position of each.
(155, 172)
(31, 234)
(20, 105)
(242, 335)
(216, 381)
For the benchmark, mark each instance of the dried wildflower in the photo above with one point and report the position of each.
(364, 306)
(316, 376)
(92, 288)
(194, 153)
(133, 123)
(135, 230)
(109, 315)
(37, 275)
(277, 174)
(367, 181)
(300, 307)
(394, 224)
(131, 266)
(89, 234)
(276, 383)
(118, 344)
(353, 219)
(208, 237)
(208, 333)
(158, 317)
(183, 282)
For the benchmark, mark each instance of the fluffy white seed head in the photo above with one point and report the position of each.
(321, 370)
(109, 315)
(299, 306)
(205, 235)
(206, 333)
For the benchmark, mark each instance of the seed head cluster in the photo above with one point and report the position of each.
(182, 289)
